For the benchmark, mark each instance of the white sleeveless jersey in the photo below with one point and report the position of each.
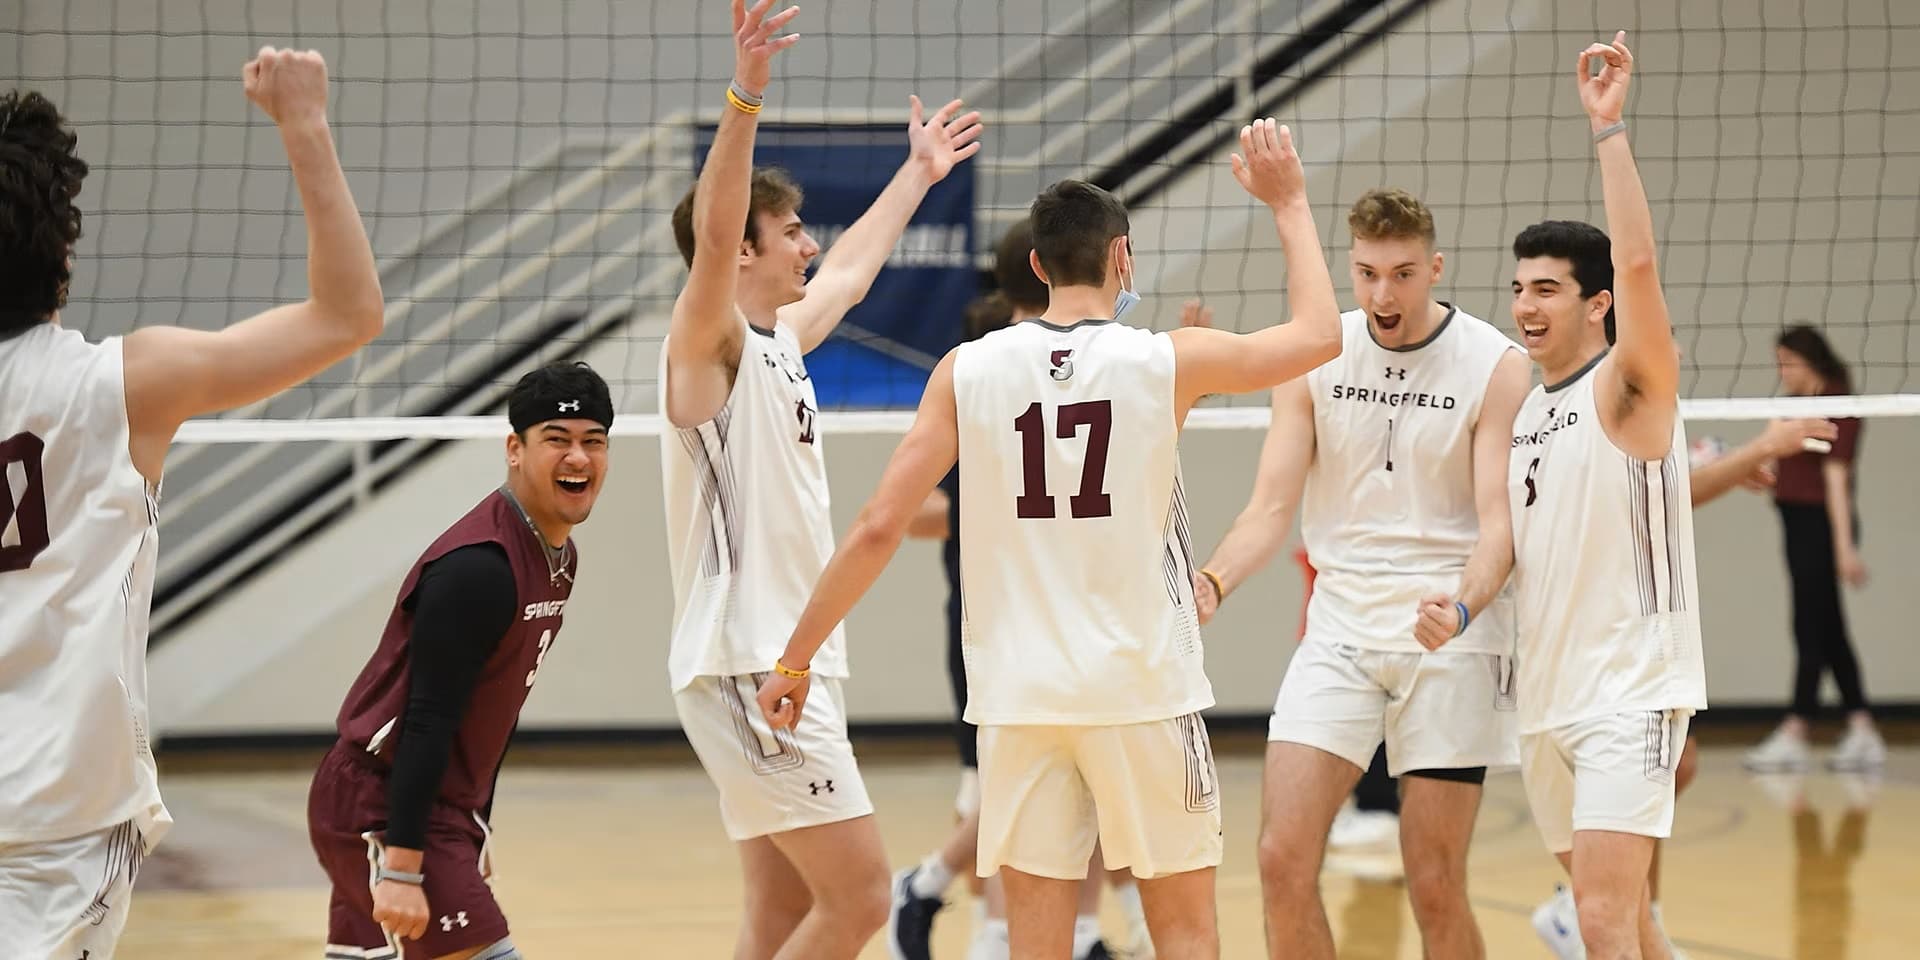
(1388, 514)
(78, 542)
(1603, 567)
(1076, 562)
(749, 528)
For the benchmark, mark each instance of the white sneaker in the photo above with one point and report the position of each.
(1558, 924)
(1861, 748)
(1353, 827)
(1780, 751)
(990, 942)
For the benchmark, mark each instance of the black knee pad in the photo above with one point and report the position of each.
(1473, 775)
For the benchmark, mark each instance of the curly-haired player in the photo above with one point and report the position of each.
(83, 439)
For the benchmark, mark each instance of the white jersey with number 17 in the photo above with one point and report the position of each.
(1076, 562)
(78, 543)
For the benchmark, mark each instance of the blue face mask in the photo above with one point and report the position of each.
(1127, 299)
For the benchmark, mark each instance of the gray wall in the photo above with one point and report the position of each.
(1778, 141)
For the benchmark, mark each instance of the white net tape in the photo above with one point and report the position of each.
(897, 421)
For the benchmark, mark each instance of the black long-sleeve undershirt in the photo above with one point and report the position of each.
(462, 606)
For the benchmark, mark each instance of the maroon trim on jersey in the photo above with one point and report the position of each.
(713, 476)
(786, 753)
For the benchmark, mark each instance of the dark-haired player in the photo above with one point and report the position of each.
(84, 431)
(1084, 663)
(398, 809)
(1605, 591)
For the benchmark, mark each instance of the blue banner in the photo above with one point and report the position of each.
(883, 351)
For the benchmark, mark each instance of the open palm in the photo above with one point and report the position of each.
(755, 43)
(939, 143)
(1604, 94)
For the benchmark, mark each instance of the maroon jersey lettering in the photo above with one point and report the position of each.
(371, 718)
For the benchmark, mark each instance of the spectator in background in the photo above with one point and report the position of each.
(1815, 495)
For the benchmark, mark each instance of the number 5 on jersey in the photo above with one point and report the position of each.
(1034, 503)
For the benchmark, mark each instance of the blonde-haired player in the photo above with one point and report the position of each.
(1396, 456)
(1083, 649)
(84, 433)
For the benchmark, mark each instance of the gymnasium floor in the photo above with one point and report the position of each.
(617, 852)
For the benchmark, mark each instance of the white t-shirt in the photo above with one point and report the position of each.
(1076, 560)
(749, 528)
(1388, 513)
(78, 543)
(1603, 567)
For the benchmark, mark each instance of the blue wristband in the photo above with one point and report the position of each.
(1465, 618)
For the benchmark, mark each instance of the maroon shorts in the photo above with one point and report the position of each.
(346, 817)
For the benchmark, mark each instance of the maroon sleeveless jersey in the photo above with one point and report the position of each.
(370, 720)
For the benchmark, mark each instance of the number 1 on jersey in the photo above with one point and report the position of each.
(1034, 503)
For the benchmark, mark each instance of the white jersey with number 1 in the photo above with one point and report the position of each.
(1389, 514)
(1077, 569)
(78, 543)
(1603, 566)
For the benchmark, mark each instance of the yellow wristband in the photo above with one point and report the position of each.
(786, 671)
(1214, 579)
(741, 105)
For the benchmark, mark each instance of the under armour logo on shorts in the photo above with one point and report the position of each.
(569, 405)
(817, 787)
(448, 923)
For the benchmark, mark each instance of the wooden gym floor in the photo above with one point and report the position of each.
(618, 852)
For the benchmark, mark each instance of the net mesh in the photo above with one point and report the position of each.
(516, 165)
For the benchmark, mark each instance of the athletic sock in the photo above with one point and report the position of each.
(932, 878)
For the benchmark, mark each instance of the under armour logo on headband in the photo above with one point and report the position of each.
(569, 405)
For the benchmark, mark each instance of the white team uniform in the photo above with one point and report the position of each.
(748, 533)
(1388, 517)
(79, 795)
(1611, 670)
(1084, 663)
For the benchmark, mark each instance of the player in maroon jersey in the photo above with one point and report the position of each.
(398, 809)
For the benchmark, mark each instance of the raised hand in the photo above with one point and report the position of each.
(939, 144)
(1269, 168)
(1604, 95)
(754, 43)
(288, 85)
(1193, 313)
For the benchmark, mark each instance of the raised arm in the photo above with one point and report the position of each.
(935, 147)
(704, 340)
(1266, 522)
(174, 374)
(924, 455)
(1639, 385)
(1492, 558)
(1215, 361)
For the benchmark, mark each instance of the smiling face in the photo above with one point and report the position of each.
(1560, 327)
(556, 470)
(773, 266)
(1393, 280)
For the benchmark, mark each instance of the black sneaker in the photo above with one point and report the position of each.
(1098, 951)
(911, 926)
